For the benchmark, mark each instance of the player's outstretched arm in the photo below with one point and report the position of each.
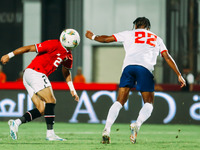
(170, 61)
(99, 38)
(68, 79)
(21, 50)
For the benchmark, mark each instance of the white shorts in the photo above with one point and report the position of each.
(35, 81)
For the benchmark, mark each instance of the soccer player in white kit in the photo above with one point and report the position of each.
(142, 48)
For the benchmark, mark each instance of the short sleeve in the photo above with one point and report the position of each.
(68, 62)
(161, 46)
(120, 37)
(43, 47)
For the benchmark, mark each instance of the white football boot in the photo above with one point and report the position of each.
(106, 137)
(51, 136)
(13, 129)
(134, 132)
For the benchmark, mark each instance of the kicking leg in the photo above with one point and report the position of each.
(27, 117)
(144, 114)
(113, 113)
(34, 113)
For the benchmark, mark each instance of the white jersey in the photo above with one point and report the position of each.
(141, 46)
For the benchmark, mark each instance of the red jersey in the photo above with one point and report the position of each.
(50, 55)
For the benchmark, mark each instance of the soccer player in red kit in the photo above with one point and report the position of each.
(51, 54)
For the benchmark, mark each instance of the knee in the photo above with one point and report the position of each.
(122, 99)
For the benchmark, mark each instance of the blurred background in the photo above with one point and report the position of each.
(25, 22)
(177, 22)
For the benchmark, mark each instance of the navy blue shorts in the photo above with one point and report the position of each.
(134, 76)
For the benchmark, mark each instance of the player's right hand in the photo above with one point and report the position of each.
(75, 96)
(5, 59)
(182, 81)
(89, 34)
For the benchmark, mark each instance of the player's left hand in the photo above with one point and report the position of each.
(89, 34)
(5, 59)
(76, 97)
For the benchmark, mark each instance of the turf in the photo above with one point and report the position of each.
(88, 136)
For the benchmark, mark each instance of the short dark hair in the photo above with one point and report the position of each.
(142, 21)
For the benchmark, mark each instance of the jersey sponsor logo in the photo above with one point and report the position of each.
(150, 38)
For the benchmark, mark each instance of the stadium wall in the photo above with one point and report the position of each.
(116, 16)
(11, 27)
(170, 107)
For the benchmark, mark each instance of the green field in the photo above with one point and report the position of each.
(88, 136)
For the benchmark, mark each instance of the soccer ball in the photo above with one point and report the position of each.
(69, 38)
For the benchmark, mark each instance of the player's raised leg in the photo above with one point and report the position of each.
(27, 117)
(48, 96)
(144, 114)
(113, 113)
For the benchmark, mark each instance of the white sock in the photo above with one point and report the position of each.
(112, 115)
(18, 122)
(50, 132)
(144, 113)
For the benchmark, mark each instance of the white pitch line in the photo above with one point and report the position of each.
(118, 132)
(86, 133)
(115, 132)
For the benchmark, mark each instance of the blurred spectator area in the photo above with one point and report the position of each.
(25, 22)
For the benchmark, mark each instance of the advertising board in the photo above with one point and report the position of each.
(93, 106)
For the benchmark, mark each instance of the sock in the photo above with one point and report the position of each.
(18, 122)
(50, 132)
(49, 115)
(28, 116)
(144, 113)
(112, 115)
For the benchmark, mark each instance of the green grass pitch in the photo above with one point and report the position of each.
(88, 136)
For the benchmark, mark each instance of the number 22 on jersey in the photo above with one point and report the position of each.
(150, 38)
